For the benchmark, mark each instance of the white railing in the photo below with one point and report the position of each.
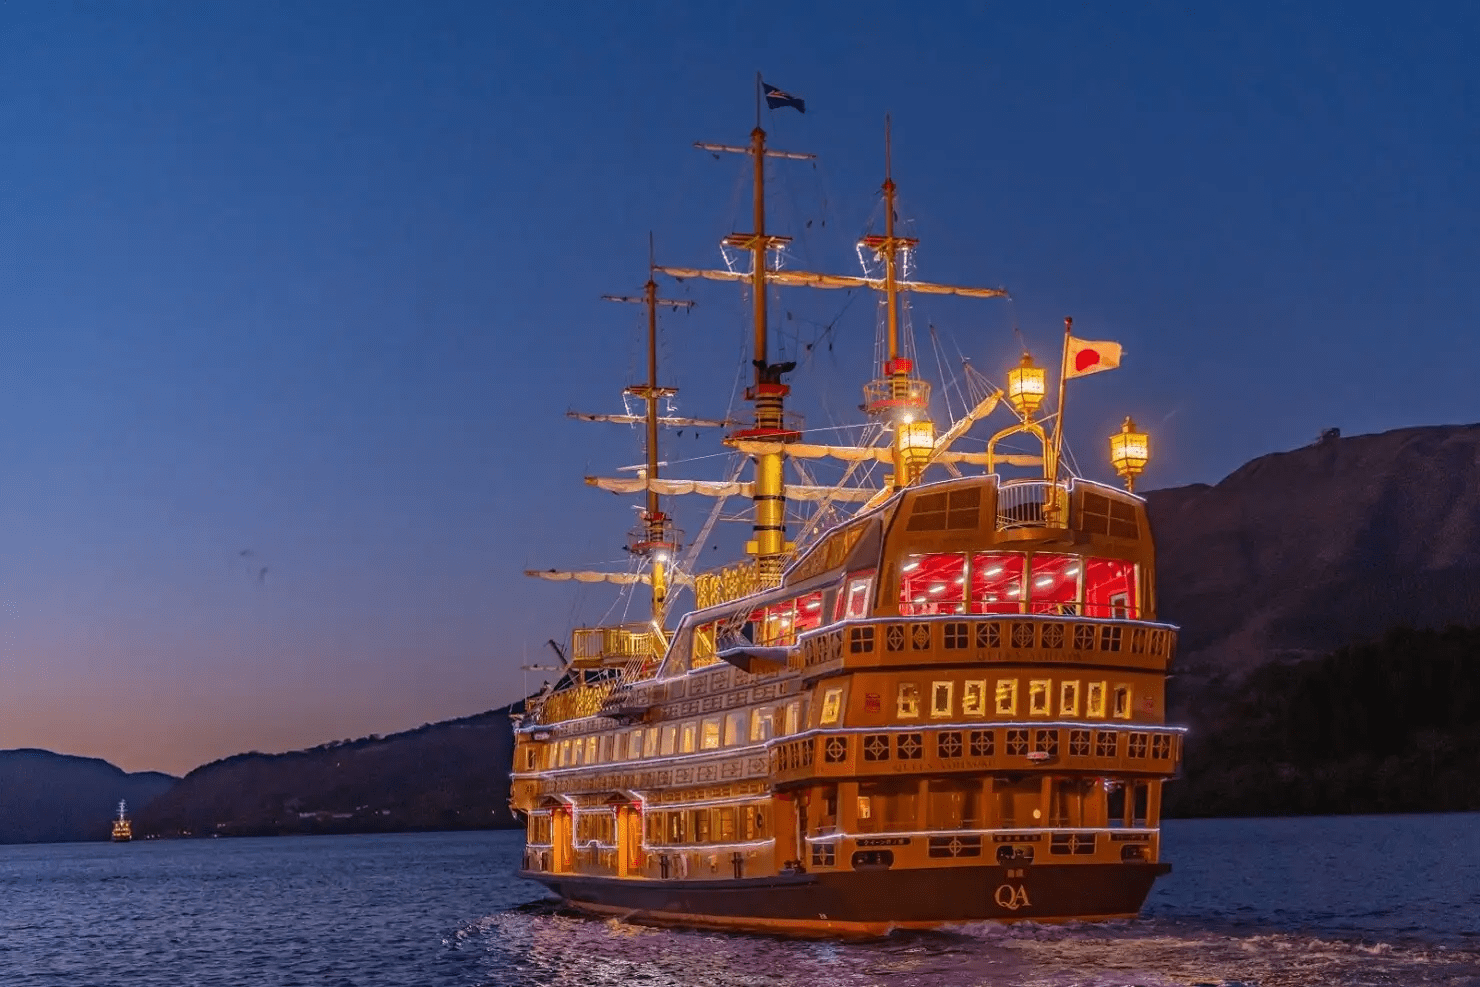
(1032, 504)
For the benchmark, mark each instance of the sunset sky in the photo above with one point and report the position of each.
(294, 298)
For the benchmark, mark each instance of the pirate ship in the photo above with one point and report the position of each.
(123, 830)
(941, 703)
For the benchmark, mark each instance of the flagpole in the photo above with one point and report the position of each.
(1052, 461)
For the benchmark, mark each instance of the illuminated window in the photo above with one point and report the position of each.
(854, 601)
(832, 706)
(997, 582)
(605, 751)
(908, 705)
(650, 742)
(670, 740)
(865, 807)
(710, 734)
(590, 750)
(974, 698)
(634, 745)
(941, 696)
(932, 584)
(762, 724)
(564, 753)
(1094, 700)
(1053, 583)
(1038, 697)
(1110, 588)
(1007, 690)
(1123, 702)
(793, 717)
(577, 748)
(1069, 698)
(734, 723)
(809, 613)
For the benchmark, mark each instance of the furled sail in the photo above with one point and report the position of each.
(806, 279)
(619, 578)
(716, 488)
(666, 420)
(884, 454)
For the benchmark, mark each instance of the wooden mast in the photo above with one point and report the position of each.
(656, 540)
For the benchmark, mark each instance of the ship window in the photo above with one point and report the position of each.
(725, 823)
(590, 750)
(564, 753)
(1007, 690)
(1053, 586)
(941, 696)
(1038, 697)
(650, 742)
(894, 805)
(793, 717)
(711, 735)
(670, 740)
(832, 706)
(997, 582)
(762, 724)
(1110, 589)
(908, 705)
(932, 584)
(677, 832)
(734, 723)
(1069, 698)
(634, 745)
(954, 804)
(974, 698)
(865, 807)
(772, 626)
(1123, 702)
(809, 613)
(1094, 700)
(604, 751)
(1161, 746)
(854, 602)
(703, 646)
(752, 822)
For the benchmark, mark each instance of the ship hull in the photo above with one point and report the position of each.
(868, 903)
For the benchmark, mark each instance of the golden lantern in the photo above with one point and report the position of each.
(1026, 386)
(1130, 450)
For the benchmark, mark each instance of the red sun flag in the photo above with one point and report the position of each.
(1089, 356)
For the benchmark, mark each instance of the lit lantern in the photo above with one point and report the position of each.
(1129, 452)
(1026, 386)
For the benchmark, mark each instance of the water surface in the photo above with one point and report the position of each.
(1347, 901)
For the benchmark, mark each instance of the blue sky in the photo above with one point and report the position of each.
(317, 283)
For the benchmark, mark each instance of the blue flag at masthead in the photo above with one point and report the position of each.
(776, 98)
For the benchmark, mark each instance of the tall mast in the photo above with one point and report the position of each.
(656, 539)
(899, 398)
(768, 394)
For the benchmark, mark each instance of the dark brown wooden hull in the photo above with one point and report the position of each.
(869, 902)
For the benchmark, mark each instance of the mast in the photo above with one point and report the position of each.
(768, 546)
(899, 398)
(656, 539)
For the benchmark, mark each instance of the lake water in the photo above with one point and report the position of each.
(1352, 901)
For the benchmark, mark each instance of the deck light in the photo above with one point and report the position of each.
(1026, 386)
(1130, 450)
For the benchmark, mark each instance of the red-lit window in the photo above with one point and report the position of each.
(809, 613)
(996, 582)
(932, 584)
(854, 600)
(1053, 582)
(773, 625)
(1109, 588)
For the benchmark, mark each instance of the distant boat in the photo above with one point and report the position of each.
(123, 830)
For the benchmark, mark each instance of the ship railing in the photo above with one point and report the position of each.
(622, 642)
(730, 582)
(573, 703)
(1032, 504)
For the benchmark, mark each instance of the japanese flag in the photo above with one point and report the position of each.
(1090, 356)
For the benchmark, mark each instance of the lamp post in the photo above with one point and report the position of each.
(1130, 450)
